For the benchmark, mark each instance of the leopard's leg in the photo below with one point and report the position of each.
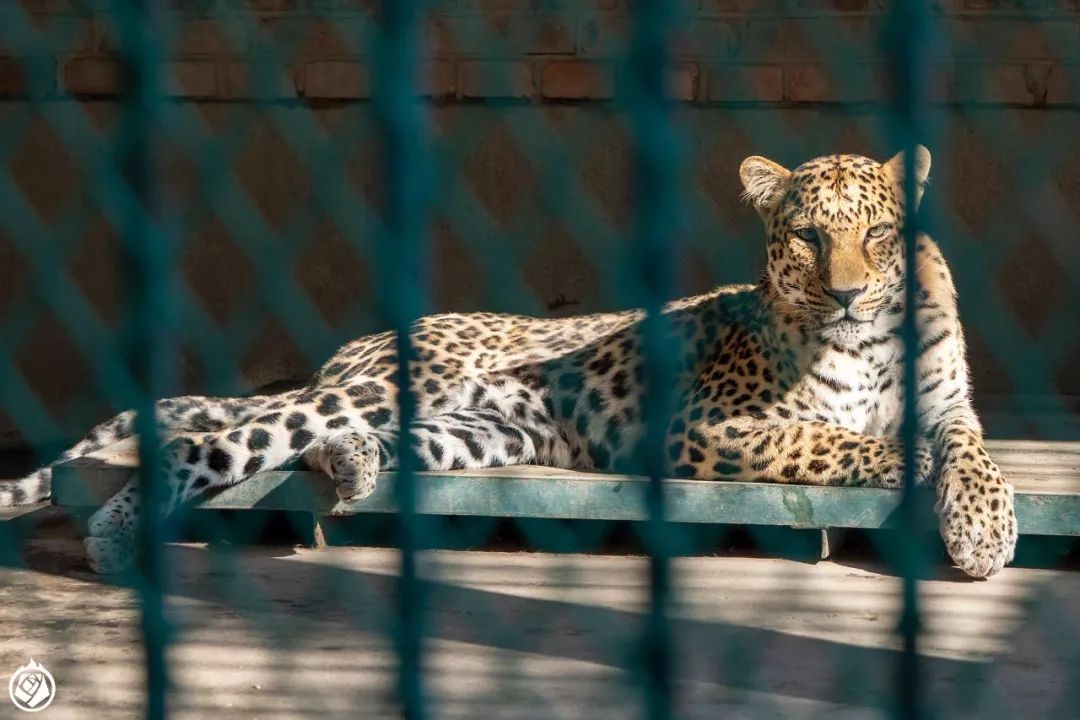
(496, 421)
(296, 422)
(468, 439)
(283, 429)
(459, 440)
(805, 452)
(975, 502)
(352, 460)
(180, 414)
(502, 421)
(110, 541)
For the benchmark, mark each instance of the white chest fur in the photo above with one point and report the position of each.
(862, 393)
(888, 406)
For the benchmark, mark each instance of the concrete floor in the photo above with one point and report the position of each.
(289, 633)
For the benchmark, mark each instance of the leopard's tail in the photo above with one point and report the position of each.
(33, 488)
(37, 486)
(181, 414)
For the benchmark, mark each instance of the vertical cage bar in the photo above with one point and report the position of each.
(150, 301)
(402, 300)
(911, 19)
(654, 181)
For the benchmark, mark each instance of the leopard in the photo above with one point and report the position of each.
(796, 379)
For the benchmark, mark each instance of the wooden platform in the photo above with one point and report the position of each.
(1046, 475)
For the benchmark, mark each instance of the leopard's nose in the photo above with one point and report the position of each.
(845, 297)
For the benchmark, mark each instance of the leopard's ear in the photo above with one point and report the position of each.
(895, 168)
(764, 182)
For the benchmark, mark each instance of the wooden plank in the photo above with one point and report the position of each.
(528, 491)
(1046, 467)
(19, 513)
(17, 524)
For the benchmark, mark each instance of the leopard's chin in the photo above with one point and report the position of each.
(845, 332)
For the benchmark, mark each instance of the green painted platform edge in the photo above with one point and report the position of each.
(599, 497)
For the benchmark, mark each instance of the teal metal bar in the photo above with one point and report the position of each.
(654, 157)
(911, 19)
(149, 268)
(402, 301)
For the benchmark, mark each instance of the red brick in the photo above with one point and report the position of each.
(1061, 85)
(189, 38)
(578, 80)
(855, 83)
(610, 37)
(807, 83)
(682, 82)
(51, 6)
(705, 38)
(498, 5)
(236, 82)
(682, 7)
(57, 34)
(1015, 84)
(261, 5)
(842, 6)
(12, 77)
(1018, 5)
(746, 83)
(371, 6)
(744, 6)
(93, 76)
(808, 39)
(190, 78)
(344, 80)
(604, 36)
(1011, 40)
(27, 76)
(438, 79)
(848, 38)
(207, 37)
(761, 41)
(503, 34)
(336, 80)
(480, 79)
(201, 6)
(489, 6)
(936, 85)
(301, 37)
(1034, 84)
(939, 83)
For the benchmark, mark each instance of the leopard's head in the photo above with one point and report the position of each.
(835, 244)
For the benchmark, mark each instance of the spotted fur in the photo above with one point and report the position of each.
(795, 380)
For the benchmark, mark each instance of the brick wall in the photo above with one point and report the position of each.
(1012, 52)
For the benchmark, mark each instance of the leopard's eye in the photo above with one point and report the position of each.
(807, 234)
(878, 231)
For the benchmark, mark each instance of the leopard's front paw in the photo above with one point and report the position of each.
(353, 462)
(108, 555)
(110, 541)
(975, 511)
